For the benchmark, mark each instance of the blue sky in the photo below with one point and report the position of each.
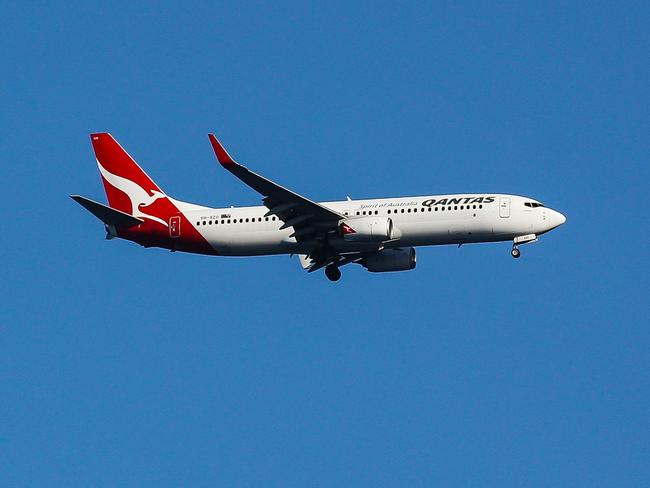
(121, 366)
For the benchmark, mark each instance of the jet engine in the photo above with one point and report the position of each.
(400, 259)
(367, 229)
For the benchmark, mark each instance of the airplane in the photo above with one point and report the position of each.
(379, 234)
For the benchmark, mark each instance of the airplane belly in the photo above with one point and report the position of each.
(445, 231)
(423, 233)
(475, 230)
(506, 229)
(253, 243)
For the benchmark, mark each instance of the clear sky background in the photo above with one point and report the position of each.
(121, 366)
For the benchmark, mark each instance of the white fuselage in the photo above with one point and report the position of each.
(379, 234)
(419, 221)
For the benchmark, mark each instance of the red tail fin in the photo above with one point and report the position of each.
(128, 188)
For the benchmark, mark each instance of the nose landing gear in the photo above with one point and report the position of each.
(528, 238)
(333, 273)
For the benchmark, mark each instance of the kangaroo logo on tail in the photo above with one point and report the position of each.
(128, 188)
(139, 196)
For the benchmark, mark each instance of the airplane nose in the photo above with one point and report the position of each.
(557, 219)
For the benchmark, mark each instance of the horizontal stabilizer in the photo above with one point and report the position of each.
(108, 215)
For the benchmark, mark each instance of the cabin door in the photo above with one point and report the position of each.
(504, 207)
(175, 226)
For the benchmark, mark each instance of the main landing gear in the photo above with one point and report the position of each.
(333, 273)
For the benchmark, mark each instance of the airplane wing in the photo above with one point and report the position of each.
(308, 218)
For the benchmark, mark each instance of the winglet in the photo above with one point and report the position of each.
(222, 155)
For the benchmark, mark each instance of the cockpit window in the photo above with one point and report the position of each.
(533, 204)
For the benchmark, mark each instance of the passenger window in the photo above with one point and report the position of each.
(480, 206)
(455, 207)
(429, 209)
(436, 209)
(402, 210)
(228, 220)
(376, 212)
(198, 223)
(357, 213)
(266, 219)
(408, 210)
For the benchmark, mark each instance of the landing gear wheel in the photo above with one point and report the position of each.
(515, 252)
(333, 273)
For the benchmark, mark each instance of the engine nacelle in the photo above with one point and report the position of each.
(401, 259)
(367, 229)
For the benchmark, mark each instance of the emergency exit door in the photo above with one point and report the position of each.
(504, 207)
